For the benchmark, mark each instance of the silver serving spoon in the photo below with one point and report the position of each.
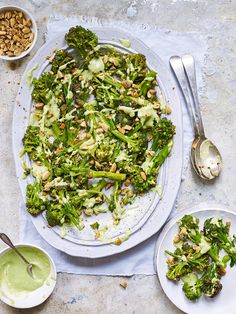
(6, 240)
(205, 157)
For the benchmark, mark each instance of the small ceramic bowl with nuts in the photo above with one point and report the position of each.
(18, 33)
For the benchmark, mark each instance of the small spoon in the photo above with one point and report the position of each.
(205, 157)
(6, 240)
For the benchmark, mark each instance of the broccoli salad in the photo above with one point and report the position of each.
(97, 124)
(201, 256)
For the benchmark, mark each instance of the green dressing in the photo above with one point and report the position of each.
(13, 271)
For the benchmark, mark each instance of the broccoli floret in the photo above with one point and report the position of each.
(104, 151)
(146, 84)
(35, 203)
(144, 182)
(115, 60)
(199, 261)
(211, 284)
(163, 133)
(192, 286)
(137, 67)
(114, 204)
(218, 232)
(159, 159)
(41, 86)
(141, 184)
(62, 61)
(31, 142)
(178, 270)
(189, 228)
(58, 214)
(55, 215)
(82, 39)
(221, 262)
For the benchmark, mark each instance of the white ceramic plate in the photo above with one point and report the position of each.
(34, 298)
(147, 215)
(225, 301)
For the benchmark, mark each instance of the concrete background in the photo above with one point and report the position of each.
(214, 19)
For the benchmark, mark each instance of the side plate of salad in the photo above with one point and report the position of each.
(195, 259)
(97, 139)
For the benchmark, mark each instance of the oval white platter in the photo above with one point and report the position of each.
(148, 214)
(225, 301)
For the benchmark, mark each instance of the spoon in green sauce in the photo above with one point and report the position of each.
(7, 240)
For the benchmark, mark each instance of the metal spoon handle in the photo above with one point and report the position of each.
(6, 239)
(189, 66)
(178, 69)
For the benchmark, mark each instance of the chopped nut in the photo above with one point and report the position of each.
(143, 175)
(113, 167)
(121, 130)
(47, 186)
(127, 127)
(12, 21)
(108, 186)
(62, 126)
(130, 193)
(99, 130)
(8, 15)
(196, 248)
(151, 93)
(127, 83)
(15, 31)
(45, 175)
(127, 182)
(26, 30)
(97, 164)
(103, 126)
(183, 230)
(222, 271)
(97, 234)
(117, 241)
(176, 238)
(39, 105)
(83, 124)
(124, 284)
(168, 110)
(156, 106)
(124, 191)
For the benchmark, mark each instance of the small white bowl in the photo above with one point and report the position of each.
(38, 296)
(33, 27)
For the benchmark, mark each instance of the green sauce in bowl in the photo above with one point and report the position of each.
(14, 277)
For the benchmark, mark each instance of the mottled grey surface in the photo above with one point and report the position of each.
(214, 19)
